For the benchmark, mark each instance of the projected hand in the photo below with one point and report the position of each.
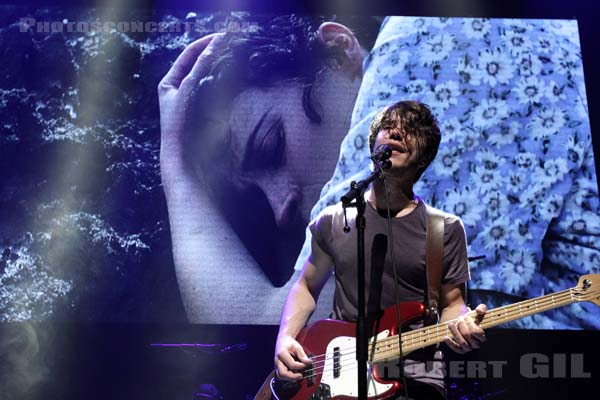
(177, 94)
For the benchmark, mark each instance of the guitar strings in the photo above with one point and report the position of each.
(435, 335)
(441, 330)
(490, 316)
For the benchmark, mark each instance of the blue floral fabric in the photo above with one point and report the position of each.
(515, 162)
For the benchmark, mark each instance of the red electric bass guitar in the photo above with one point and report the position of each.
(332, 346)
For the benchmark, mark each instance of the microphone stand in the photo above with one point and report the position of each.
(356, 192)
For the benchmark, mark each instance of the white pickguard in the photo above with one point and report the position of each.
(347, 383)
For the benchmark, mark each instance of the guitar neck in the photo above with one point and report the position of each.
(387, 349)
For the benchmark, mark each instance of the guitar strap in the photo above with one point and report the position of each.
(433, 262)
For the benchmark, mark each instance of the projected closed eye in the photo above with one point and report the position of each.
(265, 149)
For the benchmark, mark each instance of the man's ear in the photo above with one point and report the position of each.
(348, 53)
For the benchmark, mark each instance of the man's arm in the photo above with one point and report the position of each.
(211, 263)
(299, 305)
(466, 334)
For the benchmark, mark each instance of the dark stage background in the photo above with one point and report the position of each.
(117, 361)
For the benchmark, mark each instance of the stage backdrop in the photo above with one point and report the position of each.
(117, 207)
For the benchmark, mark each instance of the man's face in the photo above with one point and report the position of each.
(279, 149)
(405, 152)
(279, 161)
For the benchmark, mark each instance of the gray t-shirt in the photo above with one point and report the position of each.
(409, 234)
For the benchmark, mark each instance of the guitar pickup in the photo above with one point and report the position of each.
(336, 362)
(309, 374)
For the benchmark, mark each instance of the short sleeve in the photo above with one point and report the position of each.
(456, 266)
(320, 229)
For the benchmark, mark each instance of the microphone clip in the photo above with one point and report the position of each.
(383, 153)
(381, 157)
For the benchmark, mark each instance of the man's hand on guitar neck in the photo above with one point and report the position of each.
(290, 359)
(466, 335)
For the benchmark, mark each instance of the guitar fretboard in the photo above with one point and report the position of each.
(388, 348)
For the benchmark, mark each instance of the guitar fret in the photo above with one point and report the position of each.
(571, 293)
(427, 336)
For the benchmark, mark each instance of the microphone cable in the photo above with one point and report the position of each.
(396, 292)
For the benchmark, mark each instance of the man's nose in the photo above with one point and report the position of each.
(395, 135)
(284, 199)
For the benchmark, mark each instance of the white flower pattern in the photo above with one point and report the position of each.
(515, 162)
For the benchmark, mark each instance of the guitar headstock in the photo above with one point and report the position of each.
(588, 289)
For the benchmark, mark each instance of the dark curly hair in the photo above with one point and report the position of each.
(275, 49)
(413, 119)
(271, 50)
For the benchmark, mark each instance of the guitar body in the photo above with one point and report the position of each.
(334, 376)
(332, 345)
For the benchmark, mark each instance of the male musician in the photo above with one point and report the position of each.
(412, 133)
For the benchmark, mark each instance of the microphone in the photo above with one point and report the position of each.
(381, 160)
(383, 153)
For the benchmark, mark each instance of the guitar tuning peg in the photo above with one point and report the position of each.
(587, 283)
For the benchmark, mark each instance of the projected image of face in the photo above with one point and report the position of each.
(279, 156)
(275, 144)
(252, 123)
